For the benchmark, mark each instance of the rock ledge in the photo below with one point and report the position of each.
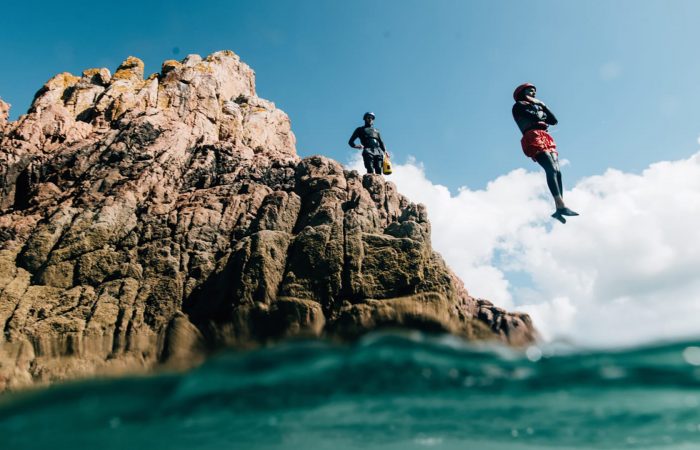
(145, 222)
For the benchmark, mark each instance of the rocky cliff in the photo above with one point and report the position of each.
(146, 222)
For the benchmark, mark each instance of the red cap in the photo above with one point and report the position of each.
(519, 89)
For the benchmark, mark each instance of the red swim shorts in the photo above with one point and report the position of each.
(535, 141)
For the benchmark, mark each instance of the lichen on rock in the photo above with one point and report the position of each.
(148, 222)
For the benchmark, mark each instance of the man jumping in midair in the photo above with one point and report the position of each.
(371, 144)
(533, 118)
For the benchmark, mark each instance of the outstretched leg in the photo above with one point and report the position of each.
(561, 185)
(550, 164)
(551, 169)
(564, 210)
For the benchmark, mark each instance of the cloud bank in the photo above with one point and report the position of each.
(626, 271)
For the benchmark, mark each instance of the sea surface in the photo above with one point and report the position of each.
(388, 391)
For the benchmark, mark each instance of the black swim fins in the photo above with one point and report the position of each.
(557, 215)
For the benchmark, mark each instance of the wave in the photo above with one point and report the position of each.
(387, 390)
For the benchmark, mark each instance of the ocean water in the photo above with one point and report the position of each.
(388, 391)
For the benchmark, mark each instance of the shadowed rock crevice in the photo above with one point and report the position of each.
(23, 187)
(147, 222)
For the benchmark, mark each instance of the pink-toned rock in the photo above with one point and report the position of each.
(4, 114)
(149, 221)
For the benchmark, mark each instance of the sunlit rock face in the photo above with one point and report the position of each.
(147, 222)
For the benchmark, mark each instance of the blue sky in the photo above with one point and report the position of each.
(622, 76)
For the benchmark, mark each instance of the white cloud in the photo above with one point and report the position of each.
(470, 226)
(624, 272)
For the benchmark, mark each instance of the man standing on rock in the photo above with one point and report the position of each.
(533, 118)
(371, 144)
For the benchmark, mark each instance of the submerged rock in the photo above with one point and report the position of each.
(149, 221)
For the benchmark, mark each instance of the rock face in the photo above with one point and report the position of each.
(148, 221)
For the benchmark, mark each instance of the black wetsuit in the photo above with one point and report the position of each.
(530, 116)
(373, 151)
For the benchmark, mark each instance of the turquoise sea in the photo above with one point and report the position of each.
(388, 391)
